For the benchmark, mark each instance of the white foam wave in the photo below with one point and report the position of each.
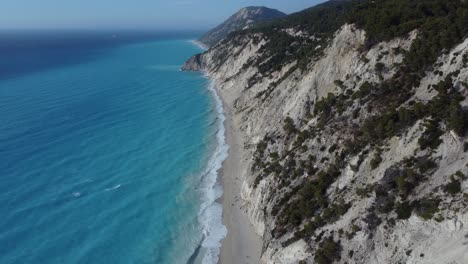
(199, 44)
(210, 216)
(113, 188)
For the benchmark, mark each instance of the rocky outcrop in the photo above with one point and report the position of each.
(285, 136)
(195, 63)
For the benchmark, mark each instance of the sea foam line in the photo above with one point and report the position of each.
(199, 44)
(211, 211)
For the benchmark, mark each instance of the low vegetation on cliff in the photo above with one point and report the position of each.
(441, 25)
(361, 156)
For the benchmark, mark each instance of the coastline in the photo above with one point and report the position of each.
(242, 244)
(211, 208)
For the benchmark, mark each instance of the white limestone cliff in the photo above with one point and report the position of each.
(414, 240)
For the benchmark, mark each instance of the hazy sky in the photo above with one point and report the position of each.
(152, 14)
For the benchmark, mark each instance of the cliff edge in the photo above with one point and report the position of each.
(353, 118)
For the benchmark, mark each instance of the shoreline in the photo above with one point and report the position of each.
(242, 244)
(211, 209)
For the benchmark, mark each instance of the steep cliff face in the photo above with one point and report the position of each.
(243, 19)
(351, 159)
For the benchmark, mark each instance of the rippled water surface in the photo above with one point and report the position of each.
(103, 150)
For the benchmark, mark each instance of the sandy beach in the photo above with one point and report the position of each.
(242, 244)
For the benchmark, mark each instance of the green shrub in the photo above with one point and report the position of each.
(328, 251)
(456, 118)
(459, 175)
(355, 228)
(407, 181)
(338, 83)
(289, 126)
(261, 147)
(325, 105)
(425, 164)
(303, 136)
(403, 210)
(379, 67)
(403, 186)
(426, 208)
(376, 160)
(363, 91)
(439, 218)
(333, 212)
(386, 205)
(274, 155)
(453, 187)
(365, 192)
(431, 136)
(311, 196)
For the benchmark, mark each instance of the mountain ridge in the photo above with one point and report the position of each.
(243, 19)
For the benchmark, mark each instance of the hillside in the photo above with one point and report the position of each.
(243, 19)
(353, 121)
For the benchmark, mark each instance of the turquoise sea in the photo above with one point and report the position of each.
(108, 153)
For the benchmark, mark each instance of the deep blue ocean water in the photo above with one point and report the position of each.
(107, 151)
